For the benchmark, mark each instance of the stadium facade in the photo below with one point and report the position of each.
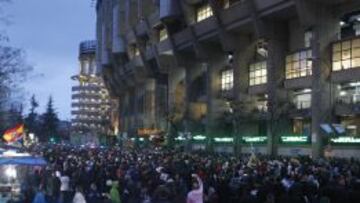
(275, 76)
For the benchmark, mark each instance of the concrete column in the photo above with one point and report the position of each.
(324, 32)
(277, 47)
(242, 59)
(210, 93)
(215, 104)
(151, 87)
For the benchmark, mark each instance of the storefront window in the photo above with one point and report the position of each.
(301, 126)
(346, 55)
(227, 79)
(299, 64)
(203, 12)
(351, 125)
(258, 73)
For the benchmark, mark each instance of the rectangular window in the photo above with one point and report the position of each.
(163, 35)
(302, 99)
(308, 36)
(299, 64)
(227, 3)
(258, 73)
(349, 93)
(227, 80)
(203, 12)
(346, 55)
(301, 126)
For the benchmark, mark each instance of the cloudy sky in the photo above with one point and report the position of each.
(50, 31)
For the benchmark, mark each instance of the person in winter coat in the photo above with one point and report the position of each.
(94, 195)
(79, 197)
(40, 196)
(196, 194)
(114, 193)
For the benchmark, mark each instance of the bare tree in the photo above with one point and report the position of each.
(13, 68)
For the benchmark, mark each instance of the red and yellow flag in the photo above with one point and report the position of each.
(14, 134)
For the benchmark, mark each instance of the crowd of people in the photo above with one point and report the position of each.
(113, 175)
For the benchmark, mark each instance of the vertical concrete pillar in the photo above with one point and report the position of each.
(215, 104)
(325, 31)
(277, 47)
(210, 74)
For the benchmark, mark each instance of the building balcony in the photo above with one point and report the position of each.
(183, 39)
(169, 9)
(89, 105)
(137, 61)
(298, 83)
(237, 13)
(154, 19)
(89, 120)
(227, 94)
(260, 114)
(86, 96)
(164, 47)
(300, 109)
(118, 45)
(86, 88)
(87, 113)
(130, 37)
(141, 28)
(149, 53)
(346, 106)
(205, 27)
(262, 5)
(348, 75)
(257, 89)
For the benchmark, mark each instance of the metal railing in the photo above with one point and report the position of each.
(353, 99)
(301, 105)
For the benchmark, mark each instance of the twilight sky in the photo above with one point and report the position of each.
(50, 32)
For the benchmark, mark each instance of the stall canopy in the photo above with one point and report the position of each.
(27, 161)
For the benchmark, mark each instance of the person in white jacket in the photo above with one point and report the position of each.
(196, 194)
(79, 197)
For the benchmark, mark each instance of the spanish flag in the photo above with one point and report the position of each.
(14, 134)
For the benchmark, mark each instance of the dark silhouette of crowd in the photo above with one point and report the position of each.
(97, 175)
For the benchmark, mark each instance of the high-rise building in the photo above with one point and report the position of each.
(91, 112)
(276, 76)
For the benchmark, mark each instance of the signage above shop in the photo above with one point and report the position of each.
(294, 139)
(345, 140)
(254, 139)
(180, 138)
(224, 139)
(199, 137)
(148, 131)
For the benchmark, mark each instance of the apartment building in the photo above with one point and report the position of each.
(91, 112)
